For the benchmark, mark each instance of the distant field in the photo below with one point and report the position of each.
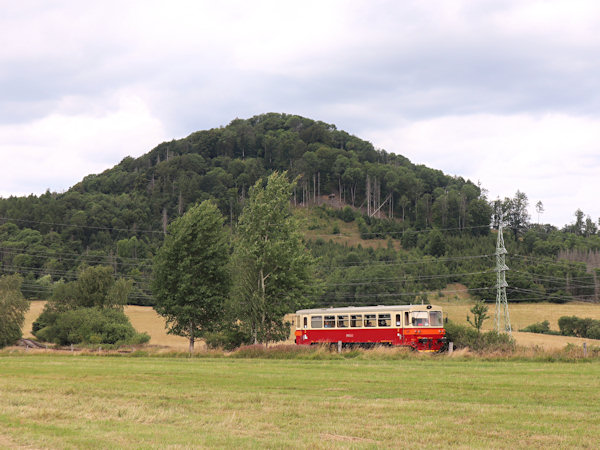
(54, 401)
(521, 315)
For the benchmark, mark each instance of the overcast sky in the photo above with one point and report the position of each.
(506, 93)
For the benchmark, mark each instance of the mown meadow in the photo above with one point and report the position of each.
(61, 401)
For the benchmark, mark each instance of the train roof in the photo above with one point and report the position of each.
(366, 309)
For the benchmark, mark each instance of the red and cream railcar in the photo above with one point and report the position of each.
(418, 326)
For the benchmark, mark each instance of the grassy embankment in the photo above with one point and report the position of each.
(99, 402)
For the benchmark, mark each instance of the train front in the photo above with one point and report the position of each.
(424, 329)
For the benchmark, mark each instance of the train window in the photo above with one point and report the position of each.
(342, 321)
(356, 320)
(406, 319)
(420, 318)
(305, 322)
(398, 320)
(316, 322)
(329, 322)
(435, 318)
(384, 320)
(370, 320)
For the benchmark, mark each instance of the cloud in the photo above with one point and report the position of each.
(552, 158)
(457, 83)
(60, 149)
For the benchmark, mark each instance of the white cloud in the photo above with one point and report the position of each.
(57, 151)
(553, 157)
(85, 83)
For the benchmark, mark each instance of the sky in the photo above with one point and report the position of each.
(504, 93)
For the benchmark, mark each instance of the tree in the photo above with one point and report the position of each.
(539, 208)
(274, 271)
(13, 307)
(578, 226)
(95, 287)
(436, 246)
(191, 280)
(88, 310)
(479, 311)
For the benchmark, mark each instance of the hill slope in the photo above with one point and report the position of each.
(118, 217)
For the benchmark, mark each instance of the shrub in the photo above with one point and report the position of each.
(540, 327)
(228, 339)
(464, 336)
(576, 326)
(347, 214)
(88, 326)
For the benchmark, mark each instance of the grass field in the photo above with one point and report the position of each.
(430, 402)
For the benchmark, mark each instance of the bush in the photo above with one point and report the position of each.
(540, 327)
(347, 214)
(228, 339)
(464, 336)
(576, 326)
(88, 326)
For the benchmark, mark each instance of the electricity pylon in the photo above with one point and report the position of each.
(501, 302)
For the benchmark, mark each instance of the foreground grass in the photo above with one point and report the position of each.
(108, 401)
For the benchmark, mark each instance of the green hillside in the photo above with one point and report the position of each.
(384, 229)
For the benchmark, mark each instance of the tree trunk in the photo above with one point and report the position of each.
(192, 339)
(164, 220)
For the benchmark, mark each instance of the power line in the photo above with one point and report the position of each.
(551, 296)
(379, 233)
(40, 222)
(557, 280)
(409, 279)
(403, 263)
(398, 294)
(21, 251)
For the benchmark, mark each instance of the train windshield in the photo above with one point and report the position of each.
(426, 319)
(435, 318)
(420, 318)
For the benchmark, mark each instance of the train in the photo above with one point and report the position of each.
(420, 327)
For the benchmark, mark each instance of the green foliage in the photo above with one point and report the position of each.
(479, 311)
(273, 269)
(95, 287)
(228, 338)
(468, 337)
(92, 325)
(88, 310)
(116, 218)
(580, 327)
(539, 327)
(347, 214)
(13, 307)
(191, 280)
(436, 246)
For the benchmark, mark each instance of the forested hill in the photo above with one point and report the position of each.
(118, 217)
(222, 163)
(145, 193)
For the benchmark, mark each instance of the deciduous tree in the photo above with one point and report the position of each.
(273, 269)
(191, 278)
(13, 307)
